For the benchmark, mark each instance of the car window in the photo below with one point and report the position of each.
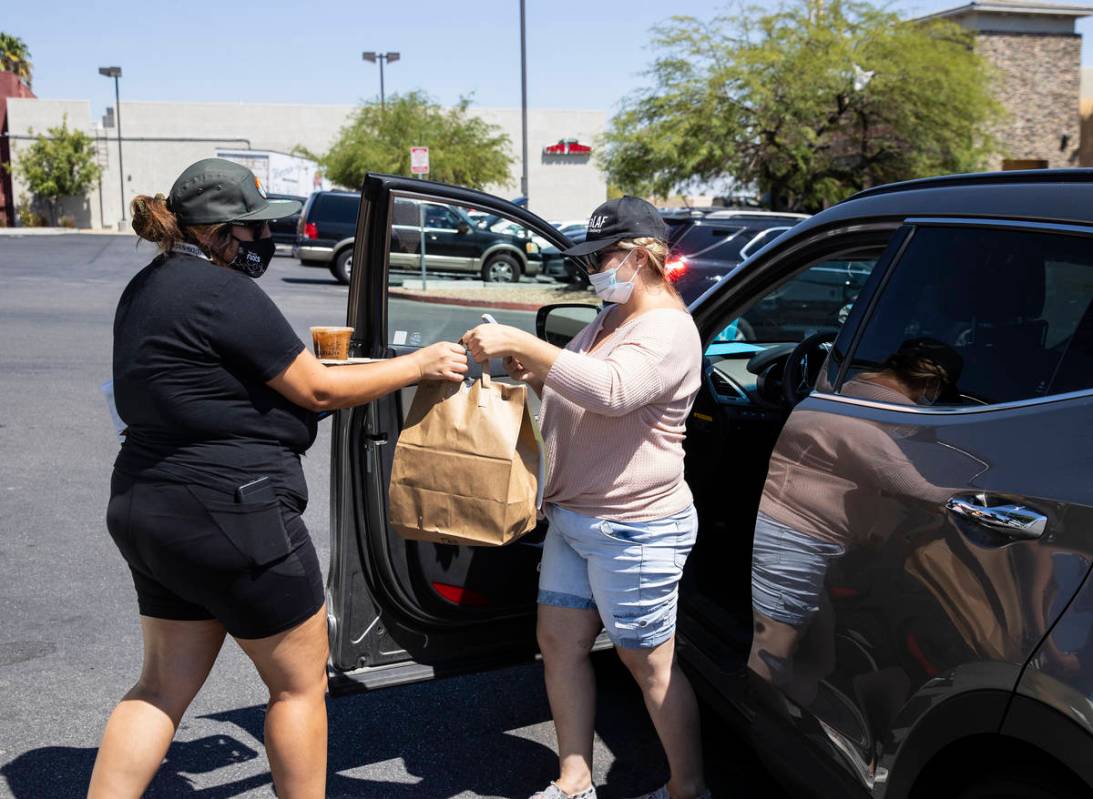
(440, 216)
(505, 269)
(761, 239)
(701, 240)
(340, 208)
(815, 300)
(974, 316)
(676, 226)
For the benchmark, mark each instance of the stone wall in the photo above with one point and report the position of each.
(1038, 77)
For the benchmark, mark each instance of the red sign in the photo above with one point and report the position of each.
(567, 147)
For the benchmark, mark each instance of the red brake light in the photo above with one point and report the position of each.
(311, 231)
(459, 595)
(675, 267)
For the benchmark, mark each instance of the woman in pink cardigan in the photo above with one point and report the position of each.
(622, 521)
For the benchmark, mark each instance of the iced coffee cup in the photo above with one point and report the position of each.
(331, 343)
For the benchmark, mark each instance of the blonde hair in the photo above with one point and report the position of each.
(153, 221)
(656, 254)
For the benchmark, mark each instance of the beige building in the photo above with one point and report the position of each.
(160, 139)
(1036, 54)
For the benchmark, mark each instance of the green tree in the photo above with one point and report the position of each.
(57, 165)
(809, 103)
(15, 57)
(463, 149)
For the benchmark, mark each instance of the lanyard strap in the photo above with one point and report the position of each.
(186, 248)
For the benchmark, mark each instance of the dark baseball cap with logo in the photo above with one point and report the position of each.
(215, 190)
(624, 218)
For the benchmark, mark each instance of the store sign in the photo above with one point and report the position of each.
(567, 147)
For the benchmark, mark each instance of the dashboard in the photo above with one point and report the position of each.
(739, 391)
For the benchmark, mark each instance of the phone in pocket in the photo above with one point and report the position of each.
(259, 490)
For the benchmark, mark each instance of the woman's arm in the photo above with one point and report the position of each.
(311, 385)
(527, 357)
(626, 380)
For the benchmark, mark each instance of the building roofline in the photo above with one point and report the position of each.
(1004, 7)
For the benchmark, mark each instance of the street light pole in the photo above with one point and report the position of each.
(524, 98)
(374, 57)
(115, 73)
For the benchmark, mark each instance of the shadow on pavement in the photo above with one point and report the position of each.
(311, 281)
(430, 740)
(63, 772)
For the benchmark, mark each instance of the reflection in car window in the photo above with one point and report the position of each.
(984, 316)
(816, 300)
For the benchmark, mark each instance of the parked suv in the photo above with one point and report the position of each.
(284, 230)
(453, 241)
(705, 248)
(914, 617)
(324, 234)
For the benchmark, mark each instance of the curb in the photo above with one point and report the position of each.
(504, 306)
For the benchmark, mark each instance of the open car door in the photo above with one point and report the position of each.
(401, 610)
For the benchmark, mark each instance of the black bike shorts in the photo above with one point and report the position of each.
(196, 553)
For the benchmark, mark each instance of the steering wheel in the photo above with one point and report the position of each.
(802, 367)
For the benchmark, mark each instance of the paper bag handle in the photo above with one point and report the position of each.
(486, 383)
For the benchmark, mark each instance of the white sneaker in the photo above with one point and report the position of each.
(552, 791)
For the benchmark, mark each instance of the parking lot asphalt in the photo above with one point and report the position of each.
(69, 635)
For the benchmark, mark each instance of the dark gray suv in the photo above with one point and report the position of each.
(890, 593)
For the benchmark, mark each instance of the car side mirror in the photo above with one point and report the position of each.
(462, 228)
(557, 324)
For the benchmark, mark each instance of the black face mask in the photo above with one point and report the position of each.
(253, 257)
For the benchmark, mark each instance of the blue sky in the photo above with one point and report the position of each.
(580, 54)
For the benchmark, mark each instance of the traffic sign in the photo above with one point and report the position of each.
(419, 160)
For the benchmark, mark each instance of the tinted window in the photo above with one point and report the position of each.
(340, 208)
(815, 300)
(676, 226)
(978, 316)
(440, 216)
(707, 240)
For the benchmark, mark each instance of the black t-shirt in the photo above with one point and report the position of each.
(194, 344)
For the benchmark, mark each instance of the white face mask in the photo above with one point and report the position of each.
(607, 286)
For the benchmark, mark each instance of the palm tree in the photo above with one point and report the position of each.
(15, 57)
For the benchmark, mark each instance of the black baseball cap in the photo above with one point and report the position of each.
(215, 190)
(623, 218)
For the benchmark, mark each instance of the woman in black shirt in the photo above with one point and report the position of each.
(220, 398)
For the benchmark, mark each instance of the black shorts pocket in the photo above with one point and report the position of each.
(256, 529)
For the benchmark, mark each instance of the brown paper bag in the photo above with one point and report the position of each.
(468, 465)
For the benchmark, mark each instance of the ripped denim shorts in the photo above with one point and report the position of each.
(628, 571)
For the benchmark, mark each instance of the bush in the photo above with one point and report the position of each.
(27, 216)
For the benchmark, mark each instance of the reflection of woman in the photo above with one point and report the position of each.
(220, 399)
(804, 515)
(622, 522)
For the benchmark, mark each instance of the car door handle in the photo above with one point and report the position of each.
(1015, 521)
